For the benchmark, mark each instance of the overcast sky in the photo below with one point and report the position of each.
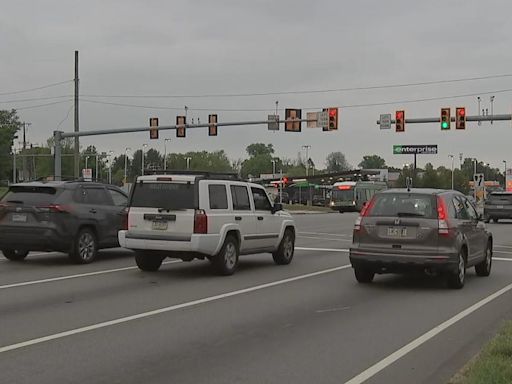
(145, 48)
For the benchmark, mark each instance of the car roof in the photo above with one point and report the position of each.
(423, 191)
(57, 184)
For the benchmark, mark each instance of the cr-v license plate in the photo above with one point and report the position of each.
(159, 225)
(397, 231)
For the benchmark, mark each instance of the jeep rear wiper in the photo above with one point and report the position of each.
(168, 209)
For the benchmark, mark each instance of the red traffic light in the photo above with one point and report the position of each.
(460, 118)
(462, 111)
(399, 114)
(332, 112)
(400, 121)
(285, 180)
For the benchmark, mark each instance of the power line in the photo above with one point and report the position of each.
(35, 89)
(308, 108)
(43, 105)
(35, 99)
(386, 86)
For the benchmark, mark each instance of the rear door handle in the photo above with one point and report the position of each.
(238, 218)
(260, 218)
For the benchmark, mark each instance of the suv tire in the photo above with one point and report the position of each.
(85, 247)
(284, 254)
(364, 275)
(484, 267)
(495, 220)
(14, 254)
(226, 260)
(457, 278)
(148, 262)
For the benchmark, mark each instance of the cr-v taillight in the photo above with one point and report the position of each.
(365, 211)
(200, 221)
(441, 217)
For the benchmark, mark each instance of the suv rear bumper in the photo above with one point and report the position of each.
(498, 213)
(386, 262)
(33, 239)
(206, 244)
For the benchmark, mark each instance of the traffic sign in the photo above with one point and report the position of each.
(479, 189)
(292, 120)
(415, 149)
(273, 122)
(385, 121)
(323, 119)
(212, 125)
(87, 174)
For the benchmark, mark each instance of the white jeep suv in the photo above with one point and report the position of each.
(204, 215)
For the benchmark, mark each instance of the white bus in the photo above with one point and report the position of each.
(349, 196)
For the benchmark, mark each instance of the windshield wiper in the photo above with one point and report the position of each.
(15, 201)
(409, 214)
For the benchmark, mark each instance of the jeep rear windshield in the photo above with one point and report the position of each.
(164, 195)
(30, 195)
(404, 205)
(500, 198)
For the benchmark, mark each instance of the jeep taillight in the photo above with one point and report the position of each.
(441, 217)
(124, 220)
(200, 221)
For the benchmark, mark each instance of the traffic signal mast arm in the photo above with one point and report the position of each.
(452, 119)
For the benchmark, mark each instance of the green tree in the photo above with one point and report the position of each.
(260, 149)
(9, 125)
(336, 162)
(372, 162)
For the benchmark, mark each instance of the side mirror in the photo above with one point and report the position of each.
(277, 207)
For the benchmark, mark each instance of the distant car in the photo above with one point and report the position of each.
(75, 217)
(498, 206)
(401, 231)
(285, 198)
(319, 201)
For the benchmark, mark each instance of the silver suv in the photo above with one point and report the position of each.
(402, 230)
(206, 215)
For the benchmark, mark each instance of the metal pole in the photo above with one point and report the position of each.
(505, 175)
(86, 159)
(57, 142)
(126, 150)
(77, 142)
(13, 165)
(96, 168)
(281, 187)
(143, 155)
(452, 168)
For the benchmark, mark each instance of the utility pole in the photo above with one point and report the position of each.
(77, 141)
(307, 148)
(24, 160)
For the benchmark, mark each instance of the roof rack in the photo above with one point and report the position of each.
(204, 174)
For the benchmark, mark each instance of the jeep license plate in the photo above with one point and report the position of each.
(159, 225)
(397, 231)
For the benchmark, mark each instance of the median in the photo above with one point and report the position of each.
(300, 208)
(493, 364)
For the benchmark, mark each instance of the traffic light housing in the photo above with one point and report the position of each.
(445, 119)
(460, 118)
(400, 121)
(290, 115)
(333, 118)
(153, 130)
(212, 125)
(181, 131)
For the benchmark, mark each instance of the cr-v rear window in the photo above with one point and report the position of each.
(167, 195)
(404, 205)
(30, 195)
(500, 198)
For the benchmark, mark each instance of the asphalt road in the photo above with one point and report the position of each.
(309, 322)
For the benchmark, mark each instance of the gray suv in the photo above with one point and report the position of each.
(431, 230)
(75, 217)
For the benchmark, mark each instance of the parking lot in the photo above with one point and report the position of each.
(306, 322)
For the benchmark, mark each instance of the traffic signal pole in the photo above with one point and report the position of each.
(58, 136)
(468, 118)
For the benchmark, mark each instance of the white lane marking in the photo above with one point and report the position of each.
(384, 363)
(321, 249)
(322, 238)
(165, 309)
(332, 309)
(502, 246)
(325, 234)
(502, 258)
(49, 280)
(504, 252)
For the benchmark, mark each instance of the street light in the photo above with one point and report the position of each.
(505, 175)
(273, 167)
(188, 161)
(452, 168)
(86, 158)
(307, 148)
(110, 153)
(165, 153)
(144, 146)
(126, 150)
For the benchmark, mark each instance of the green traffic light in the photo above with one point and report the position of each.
(444, 125)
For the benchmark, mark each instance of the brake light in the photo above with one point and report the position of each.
(365, 211)
(200, 221)
(124, 219)
(441, 217)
